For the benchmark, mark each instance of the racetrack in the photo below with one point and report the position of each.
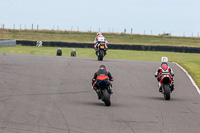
(40, 94)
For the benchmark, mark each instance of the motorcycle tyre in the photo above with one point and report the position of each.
(100, 57)
(167, 92)
(106, 97)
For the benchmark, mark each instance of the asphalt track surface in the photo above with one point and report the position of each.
(49, 94)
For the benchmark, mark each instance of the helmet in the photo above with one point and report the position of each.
(102, 67)
(164, 65)
(99, 33)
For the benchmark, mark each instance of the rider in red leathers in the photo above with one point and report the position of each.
(164, 68)
(100, 39)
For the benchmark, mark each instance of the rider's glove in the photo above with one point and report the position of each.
(93, 80)
(111, 79)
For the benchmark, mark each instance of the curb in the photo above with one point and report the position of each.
(191, 79)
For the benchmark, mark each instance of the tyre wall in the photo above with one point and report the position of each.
(115, 46)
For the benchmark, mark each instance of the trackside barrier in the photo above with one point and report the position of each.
(7, 42)
(115, 46)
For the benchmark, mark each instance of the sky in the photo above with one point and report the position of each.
(178, 17)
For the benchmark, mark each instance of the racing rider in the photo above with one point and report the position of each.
(100, 75)
(164, 68)
(98, 39)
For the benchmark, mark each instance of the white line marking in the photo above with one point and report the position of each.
(191, 79)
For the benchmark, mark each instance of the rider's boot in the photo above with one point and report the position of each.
(96, 51)
(97, 91)
(110, 89)
(172, 86)
(160, 87)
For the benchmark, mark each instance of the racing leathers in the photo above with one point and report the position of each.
(100, 75)
(100, 39)
(164, 68)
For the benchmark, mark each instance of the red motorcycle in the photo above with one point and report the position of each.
(166, 84)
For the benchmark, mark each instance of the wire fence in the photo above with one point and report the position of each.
(110, 30)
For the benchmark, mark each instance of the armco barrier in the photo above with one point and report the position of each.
(115, 46)
(7, 42)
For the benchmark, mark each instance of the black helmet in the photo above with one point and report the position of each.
(102, 67)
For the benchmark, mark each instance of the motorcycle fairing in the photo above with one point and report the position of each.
(166, 79)
(102, 77)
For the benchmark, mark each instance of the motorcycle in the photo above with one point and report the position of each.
(59, 52)
(166, 84)
(101, 51)
(105, 91)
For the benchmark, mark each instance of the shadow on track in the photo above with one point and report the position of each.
(93, 103)
(101, 103)
(161, 98)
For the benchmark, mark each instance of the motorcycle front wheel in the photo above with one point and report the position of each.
(167, 92)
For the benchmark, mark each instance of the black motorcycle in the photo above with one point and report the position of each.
(59, 52)
(105, 91)
(100, 51)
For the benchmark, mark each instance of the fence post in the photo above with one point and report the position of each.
(124, 30)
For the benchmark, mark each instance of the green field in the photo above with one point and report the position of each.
(88, 37)
(191, 62)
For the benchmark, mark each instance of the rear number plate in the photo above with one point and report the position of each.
(101, 47)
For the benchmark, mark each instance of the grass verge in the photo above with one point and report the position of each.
(88, 37)
(190, 61)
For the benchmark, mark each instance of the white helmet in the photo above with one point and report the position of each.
(164, 59)
(99, 33)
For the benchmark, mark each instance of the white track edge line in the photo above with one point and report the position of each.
(191, 79)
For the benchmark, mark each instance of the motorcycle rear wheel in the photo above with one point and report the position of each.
(100, 57)
(106, 98)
